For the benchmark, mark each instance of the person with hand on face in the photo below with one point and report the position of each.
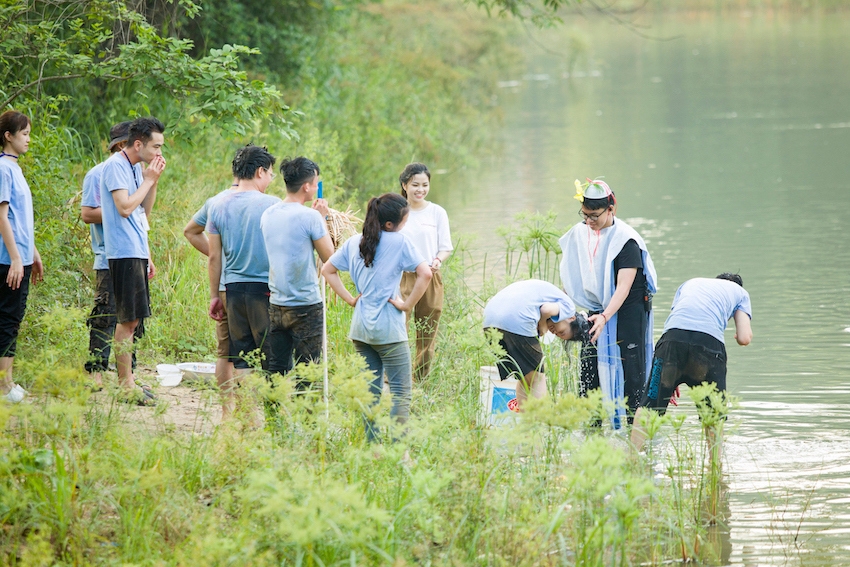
(20, 261)
(127, 196)
(428, 227)
(292, 232)
(606, 268)
(376, 260)
(237, 253)
(522, 312)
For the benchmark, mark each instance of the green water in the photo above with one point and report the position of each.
(729, 150)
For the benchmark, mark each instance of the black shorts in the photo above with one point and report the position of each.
(684, 357)
(13, 305)
(524, 354)
(248, 321)
(132, 291)
(295, 336)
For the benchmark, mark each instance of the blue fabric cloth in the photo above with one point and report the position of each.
(706, 305)
(15, 190)
(516, 308)
(123, 237)
(91, 198)
(375, 320)
(235, 217)
(289, 230)
(200, 219)
(587, 273)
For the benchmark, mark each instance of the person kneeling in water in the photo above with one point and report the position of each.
(522, 312)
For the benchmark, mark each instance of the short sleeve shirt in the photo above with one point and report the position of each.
(516, 308)
(123, 237)
(429, 231)
(91, 198)
(15, 190)
(235, 217)
(289, 230)
(375, 320)
(706, 305)
(631, 256)
(200, 219)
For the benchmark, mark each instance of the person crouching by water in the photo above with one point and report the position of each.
(606, 268)
(522, 312)
(375, 260)
(691, 350)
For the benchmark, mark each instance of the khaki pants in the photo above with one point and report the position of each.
(426, 316)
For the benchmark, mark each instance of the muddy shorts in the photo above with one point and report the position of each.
(13, 305)
(684, 357)
(295, 336)
(130, 283)
(248, 321)
(524, 354)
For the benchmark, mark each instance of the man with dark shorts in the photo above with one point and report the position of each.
(292, 232)
(691, 350)
(236, 243)
(127, 198)
(522, 312)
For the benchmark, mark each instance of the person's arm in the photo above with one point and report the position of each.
(37, 274)
(126, 203)
(214, 271)
(194, 233)
(423, 278)
(625, 279)
(331, 275)
(743, 329)
(324, 247)
(444, 239)
(547, 311)
(16, 270)
(91, 215)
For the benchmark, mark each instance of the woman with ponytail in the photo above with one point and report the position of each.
(19, 258)
(375, 260)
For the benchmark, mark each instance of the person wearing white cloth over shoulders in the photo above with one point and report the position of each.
(606, 269)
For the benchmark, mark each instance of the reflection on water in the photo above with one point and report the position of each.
(728, 150)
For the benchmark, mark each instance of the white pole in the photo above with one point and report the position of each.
(325, 347)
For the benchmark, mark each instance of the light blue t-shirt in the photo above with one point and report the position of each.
(706, 305)
(123, 237)
(289, 230)
(200, 219)
(516, 308)
(15, 190)
(91, 198)
(235, 217)
(376, 321)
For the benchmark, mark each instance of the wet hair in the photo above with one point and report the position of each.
(732, 278)
(142, 129)
(297, 171)
(580, 328)
(249, 159)
(12, 122)
(389, 207)
(410, 170)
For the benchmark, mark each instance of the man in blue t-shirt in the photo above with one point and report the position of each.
(292, 232)
(691, 350)
(127, 198)
(237, 253)
(101, 320)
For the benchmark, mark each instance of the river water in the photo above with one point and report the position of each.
(728, 145)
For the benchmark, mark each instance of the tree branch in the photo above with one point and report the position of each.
(41, 80)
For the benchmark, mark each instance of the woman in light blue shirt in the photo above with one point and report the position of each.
(376, 260)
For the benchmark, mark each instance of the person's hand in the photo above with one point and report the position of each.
(37, 274)
(16, 274)
(321, 205)
(399, 304)
(436, 264)
(599, 321)
(151, 269)
(354, 300)
(154, 169)
(216, 309)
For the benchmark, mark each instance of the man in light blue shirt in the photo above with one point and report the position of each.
(692, 350)
(127, 198)
(236, 243)
(292, 232)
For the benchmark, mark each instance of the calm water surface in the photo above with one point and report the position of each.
(729, 150)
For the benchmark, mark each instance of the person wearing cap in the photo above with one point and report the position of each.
(127, 198)
(101, 320)
(522, 312)
(692, 350)
(606, 269)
